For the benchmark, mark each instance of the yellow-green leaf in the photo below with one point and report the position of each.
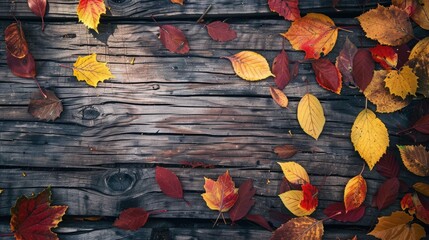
(88, 69)
(310, 115)
(416, 159)
(397, 227)
(370, 137)
(292, 199)
(294, 172)
(250, 66)
(402, 82)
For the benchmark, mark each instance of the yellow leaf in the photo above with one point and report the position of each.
(420, 14)
(422, 188)
(370, 137)
(250, 66)
(402, 82)
(294, 172)
(354, 193)
(310, 115)
(88, 69)
(378, 94)
(279, 97)
(89, 12)
(419, 62)
(300, 228)
(221, 194)
(416, 159)
(397, 227)
(292, 199)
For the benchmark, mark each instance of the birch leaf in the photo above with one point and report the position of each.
(250, 66)
(310, 115)
(416, 159)
(90, 70)
(294, 172)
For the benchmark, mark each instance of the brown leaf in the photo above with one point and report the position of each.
(421, 14)
(419, 62)
(21, 67)
(15, 40)
(397, 226)
(48, 108)
(363, 68)
(173, 39)
(415, 159)
(281, 70)
(344, 61)
(299, 229)
(221, 31)
(279, 97)
(285, 151)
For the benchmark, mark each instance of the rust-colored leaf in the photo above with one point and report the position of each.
(281, 70)
(279, 97)
(244, 202)
(38, 7)
(387, 193)
(299, 228)
(221, 31)
(285, 151)
(327, 75)
(344, 61)
(397, 226)
(354, 193)
(46, 108)
(134, 218)
(173, 39)
(286, 8)
(260, 220)
(337, 211)
(220, 195)
(422, 125)
(34, 217)
(385, 55)
(15, 40)
(22, 67)
(415, 159)
(388, 166)
(168, 182)
(363, 68)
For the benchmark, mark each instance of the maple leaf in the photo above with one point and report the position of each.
(387, 193)
(422, 188)
(415, 159)
(363, 68)
(250, 66)
(33, 218)
(285, 8)
(310, 115)
(285, 151)
(310, 200)
(22, 67)
(337, 211)
(45, 107)
(385, 55)
(292, 200)
(396, 227)
(354, 193)
(168, 182)
(173, 39)
(327, 75)
(281, 70)
(15, 40)
(402, 82)
(299, 228)
(221, 31)
(378, 94)
(389, 26)
(89, 12)
(344, 61)
(370, 137)
(294, 172)
(38, 7)
(90, 70)
(419, 62)
(420, 14)
(134, 218)
(180, 2)
(279, 97)
(315, 34)
(244, 202)
(388, 166)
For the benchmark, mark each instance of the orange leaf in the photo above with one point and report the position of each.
(355, 192)
(15, 40)
(220, 195)
(397, 226)
(89, 12)
(299, 229)
(33, 218)
(250, 66)
(180, 2)
(385, 55)
(279, 97)
(315, 34)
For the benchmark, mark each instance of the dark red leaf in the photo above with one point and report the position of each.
(295, 70)
(46, 108)
(278, 218)
(388, 166)
(15, 40)
(387, 193)
(403, 52)
(363, 68)
(281, 70)
(22, 67)
(344, 61)
(338, 208)
(244, 202)
(131, 219)
(327, 75)
(38, 7)
(286, 8)
(284, 186)
(424, 200)
(310, 200)
(168, 182)
(260, 220)
(385, 56)
(173, 39)
(285, 151)
(221, 31)
(422, 125)
(403, 186)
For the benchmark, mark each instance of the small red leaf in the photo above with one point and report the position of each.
(385, 55)
(131, 219)
(173, 39)
(344, 61)
(281, 70)
(260, 220)
(327, 75)
(422, 125)
(388, 166)
(337, 211)
(22, 67)
(363, 68)
(46, 108)
(221, 31)
(38, 7)
(244, 202)
(168, 182)
(310, 200)
(15, 40)
(286, 8)
(387, 193)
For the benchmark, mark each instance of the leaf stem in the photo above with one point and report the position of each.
(64, 66)
(40, 88)
(345, 30)
(200, 20)
(363, 168)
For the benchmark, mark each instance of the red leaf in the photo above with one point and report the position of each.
(387, 193)
(33, 218)
(327, 75)
(403, 186)
(15, 40)
(173, 39)
(310, 200)
(344, 61)
(407, 203)
(22, 67)
(286, 8)
(46, 108)
(168, 182)
(281, 70)
(422, 125)
(363, 68)
(131, 219)
(384, 55)
(338, 208)
(424, 201)
(260, 220)
(388, 166)
(244, 201)
(221, 31)
(38, 7)
(284, 186)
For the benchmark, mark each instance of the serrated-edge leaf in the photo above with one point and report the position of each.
(88, 69)
(292, 199)
(402, 82)
(310, 115)
(415, 159)
(89, 12)
(294, 172)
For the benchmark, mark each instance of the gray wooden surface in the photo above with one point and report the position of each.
(99, 157)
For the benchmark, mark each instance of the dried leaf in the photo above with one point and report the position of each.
(220, 195)
(49, 108)
(385, 55)
(301, 228)
(402, 83)
(90, 70)
(407, 203)
(409, 6)
(294, 172)
(22, 67)
(422, 188)
(281, 70)
(250, 66)
(173, 39)
(279, 97)
(285, 151)
(387, 193)
(180, 2)
(286, 8)
(389, 26)
(134, 218)
(421, 14)
(354, 193)
(327, 75)
(310, 115)
(421, 212)
(310, 200)
(422, 125)
(344, 61)
(244, 202)
(89, 12)
(315, 34)
(388, 166)
(221, 31)
(369, 137)
(337, 211)
(397, 227)
(419, 62)
(363, 68)
(33, 217)
(415, 159)
(168, 182)
(15, 40)
(260, 220)
(378, 94)
(38, 7)
(292, 200)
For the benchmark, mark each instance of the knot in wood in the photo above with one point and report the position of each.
(120, 182)
(90, 113)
